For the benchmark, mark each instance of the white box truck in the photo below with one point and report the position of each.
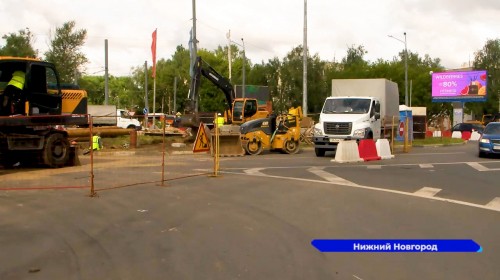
(109, 115)
(354, 111)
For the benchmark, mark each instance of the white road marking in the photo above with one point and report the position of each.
(356, 277)
(431, 154)
(374, 166)
(494, 204)
(198, 170)
(330, 177)
(427, 192)
(255, 171)
(480, 167)
(372, 189)
(383, 165)
(426, 165)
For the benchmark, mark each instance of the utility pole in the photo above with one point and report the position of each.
(406, 66)
(228, 36)
(194, 55)
(406, 73)
(106, 80)
(304, 93)
(146, 106)
(175, 95)
(195, 41)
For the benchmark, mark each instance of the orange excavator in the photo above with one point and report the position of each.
(239, 110)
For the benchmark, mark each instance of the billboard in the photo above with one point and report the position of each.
(260, 93)
(467, 86)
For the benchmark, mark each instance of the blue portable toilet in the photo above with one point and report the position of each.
(404, 113)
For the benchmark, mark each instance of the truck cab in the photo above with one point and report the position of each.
(125, 120)
(346, 118)
(36, 98)
(33, 113)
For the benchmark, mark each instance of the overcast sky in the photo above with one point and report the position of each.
(452, 30)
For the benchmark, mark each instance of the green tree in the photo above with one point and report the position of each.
(292, 78)
(64, 51)
(420, 84)
(354, 63)
(123, 94)
(352, 66)
(94, 85)
(269, 74)
(20, 44)
(318, 87)
(284, 78)
(178, 67)
(488, 58)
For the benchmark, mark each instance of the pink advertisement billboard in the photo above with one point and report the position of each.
(467, 86)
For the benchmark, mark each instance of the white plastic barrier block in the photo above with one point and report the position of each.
(347, 151)
(436, 133)
(384, 149)
(475, 136)
(456, 134)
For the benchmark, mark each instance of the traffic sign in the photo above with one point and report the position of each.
(201, 143)
(401, 129)
(145, 111)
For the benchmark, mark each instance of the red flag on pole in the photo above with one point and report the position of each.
(153, 51)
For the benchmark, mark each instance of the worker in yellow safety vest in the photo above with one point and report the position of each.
(220, 120)
(96, 142)
(12, 98)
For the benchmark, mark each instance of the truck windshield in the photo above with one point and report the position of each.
(347, 106)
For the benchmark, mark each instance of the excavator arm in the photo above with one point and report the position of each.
(202, 68)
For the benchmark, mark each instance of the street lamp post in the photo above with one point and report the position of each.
(406, 66)
(244, 63)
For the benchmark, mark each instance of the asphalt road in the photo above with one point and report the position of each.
(453, 173)
(256, 221)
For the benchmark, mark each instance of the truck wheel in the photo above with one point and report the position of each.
(132, 127)
(55, 151)
(319, 152)
(253, 148)
(291, 147)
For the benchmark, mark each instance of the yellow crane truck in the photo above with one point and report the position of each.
(33, 116)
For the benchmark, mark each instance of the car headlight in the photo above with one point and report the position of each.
(485, 141)
(318, 132)
(360, 133)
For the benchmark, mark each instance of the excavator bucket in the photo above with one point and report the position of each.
(229, 141)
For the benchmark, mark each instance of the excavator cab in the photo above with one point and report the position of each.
(244, 109)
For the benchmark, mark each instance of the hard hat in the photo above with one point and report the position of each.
(178, 114)
(18, 73)
(218, 114)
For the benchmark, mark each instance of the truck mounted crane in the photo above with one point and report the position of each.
(32, 120)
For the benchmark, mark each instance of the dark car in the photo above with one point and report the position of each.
(470, 127)
(489, 143)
